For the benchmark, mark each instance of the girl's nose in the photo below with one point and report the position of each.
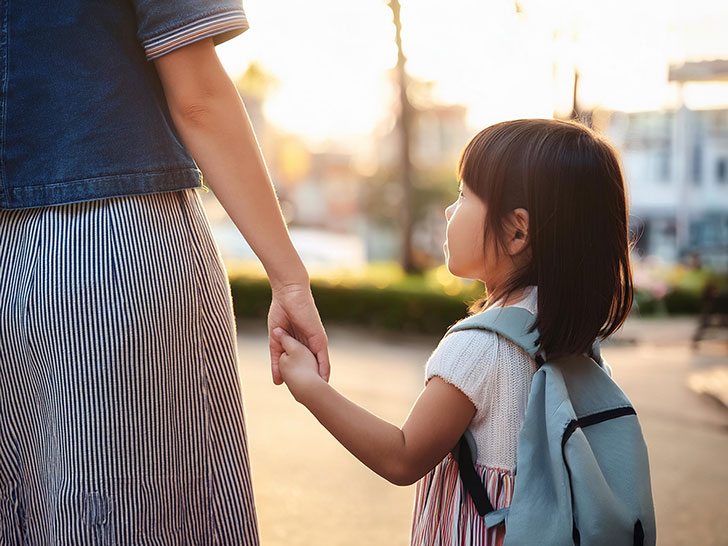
(448, 211)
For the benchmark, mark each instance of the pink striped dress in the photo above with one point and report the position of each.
(496, 376)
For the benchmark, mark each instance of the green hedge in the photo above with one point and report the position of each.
(682, 301)
(413, 303)
(645, 304)
(678, 300)
(395, 308)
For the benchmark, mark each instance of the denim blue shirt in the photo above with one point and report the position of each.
(82, 110)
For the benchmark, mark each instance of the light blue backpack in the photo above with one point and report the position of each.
(582, 472)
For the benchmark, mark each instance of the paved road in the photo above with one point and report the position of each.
(310, 491)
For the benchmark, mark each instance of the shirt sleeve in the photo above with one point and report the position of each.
(165, 25)
(467, 360)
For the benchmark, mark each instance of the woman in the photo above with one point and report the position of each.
(122, 419)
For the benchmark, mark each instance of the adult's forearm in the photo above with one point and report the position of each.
(218, 134)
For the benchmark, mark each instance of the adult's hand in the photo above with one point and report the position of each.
(292, 309)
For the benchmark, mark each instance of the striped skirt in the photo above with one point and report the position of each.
(121, 417)
(445, 514)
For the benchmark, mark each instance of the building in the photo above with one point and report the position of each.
(439, 134)
(676, 166)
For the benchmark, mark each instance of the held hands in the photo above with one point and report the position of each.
(297, 365)
(293, 311)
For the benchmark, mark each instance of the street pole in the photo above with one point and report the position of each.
(681, 142)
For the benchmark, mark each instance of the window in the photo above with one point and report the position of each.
(721, 170)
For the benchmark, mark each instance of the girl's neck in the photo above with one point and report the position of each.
(503, 300)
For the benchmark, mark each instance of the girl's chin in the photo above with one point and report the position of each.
(451, 268)
(462, 273)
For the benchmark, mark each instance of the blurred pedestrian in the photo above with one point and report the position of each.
(714, 307)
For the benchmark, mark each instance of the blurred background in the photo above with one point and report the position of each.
(362, 109)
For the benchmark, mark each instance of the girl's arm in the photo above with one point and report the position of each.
(211, 119)
(401, 455)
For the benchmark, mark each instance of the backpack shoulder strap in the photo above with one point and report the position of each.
(516, 325)
(513, 323)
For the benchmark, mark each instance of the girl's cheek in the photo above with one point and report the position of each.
(451, 234)
(452, 248)
(448, 228)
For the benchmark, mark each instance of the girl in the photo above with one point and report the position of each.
(542, 220)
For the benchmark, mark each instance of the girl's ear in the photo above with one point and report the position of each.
(517, 232)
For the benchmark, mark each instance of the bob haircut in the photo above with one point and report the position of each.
(569, 180)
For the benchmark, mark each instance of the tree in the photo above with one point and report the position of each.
(404, 124)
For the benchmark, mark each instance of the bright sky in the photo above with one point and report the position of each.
(331, 56)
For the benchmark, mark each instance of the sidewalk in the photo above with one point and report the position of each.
(710, 377)
(712, 383)
(668, 331)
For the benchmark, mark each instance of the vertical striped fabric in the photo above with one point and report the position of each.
(445, 514)
(121, 412)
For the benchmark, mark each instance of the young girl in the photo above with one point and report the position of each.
(542, 220)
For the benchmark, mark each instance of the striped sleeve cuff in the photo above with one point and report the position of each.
(221, 25)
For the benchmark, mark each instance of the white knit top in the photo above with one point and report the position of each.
(495, 375)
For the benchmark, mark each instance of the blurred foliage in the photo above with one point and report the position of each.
(435, 188)
(257, 82)
(382, 296)
(680, 301)
(645, 304)
(432, 192)
(676, 290)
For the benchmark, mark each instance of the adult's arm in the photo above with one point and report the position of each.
(214, 125)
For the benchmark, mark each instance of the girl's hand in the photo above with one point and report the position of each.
(297, 365)
(293, 311)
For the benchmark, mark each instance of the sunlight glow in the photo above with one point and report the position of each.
(332, 58)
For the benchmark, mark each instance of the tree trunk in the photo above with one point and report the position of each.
(404, 125)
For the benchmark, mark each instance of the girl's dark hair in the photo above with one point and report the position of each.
(569, 180)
